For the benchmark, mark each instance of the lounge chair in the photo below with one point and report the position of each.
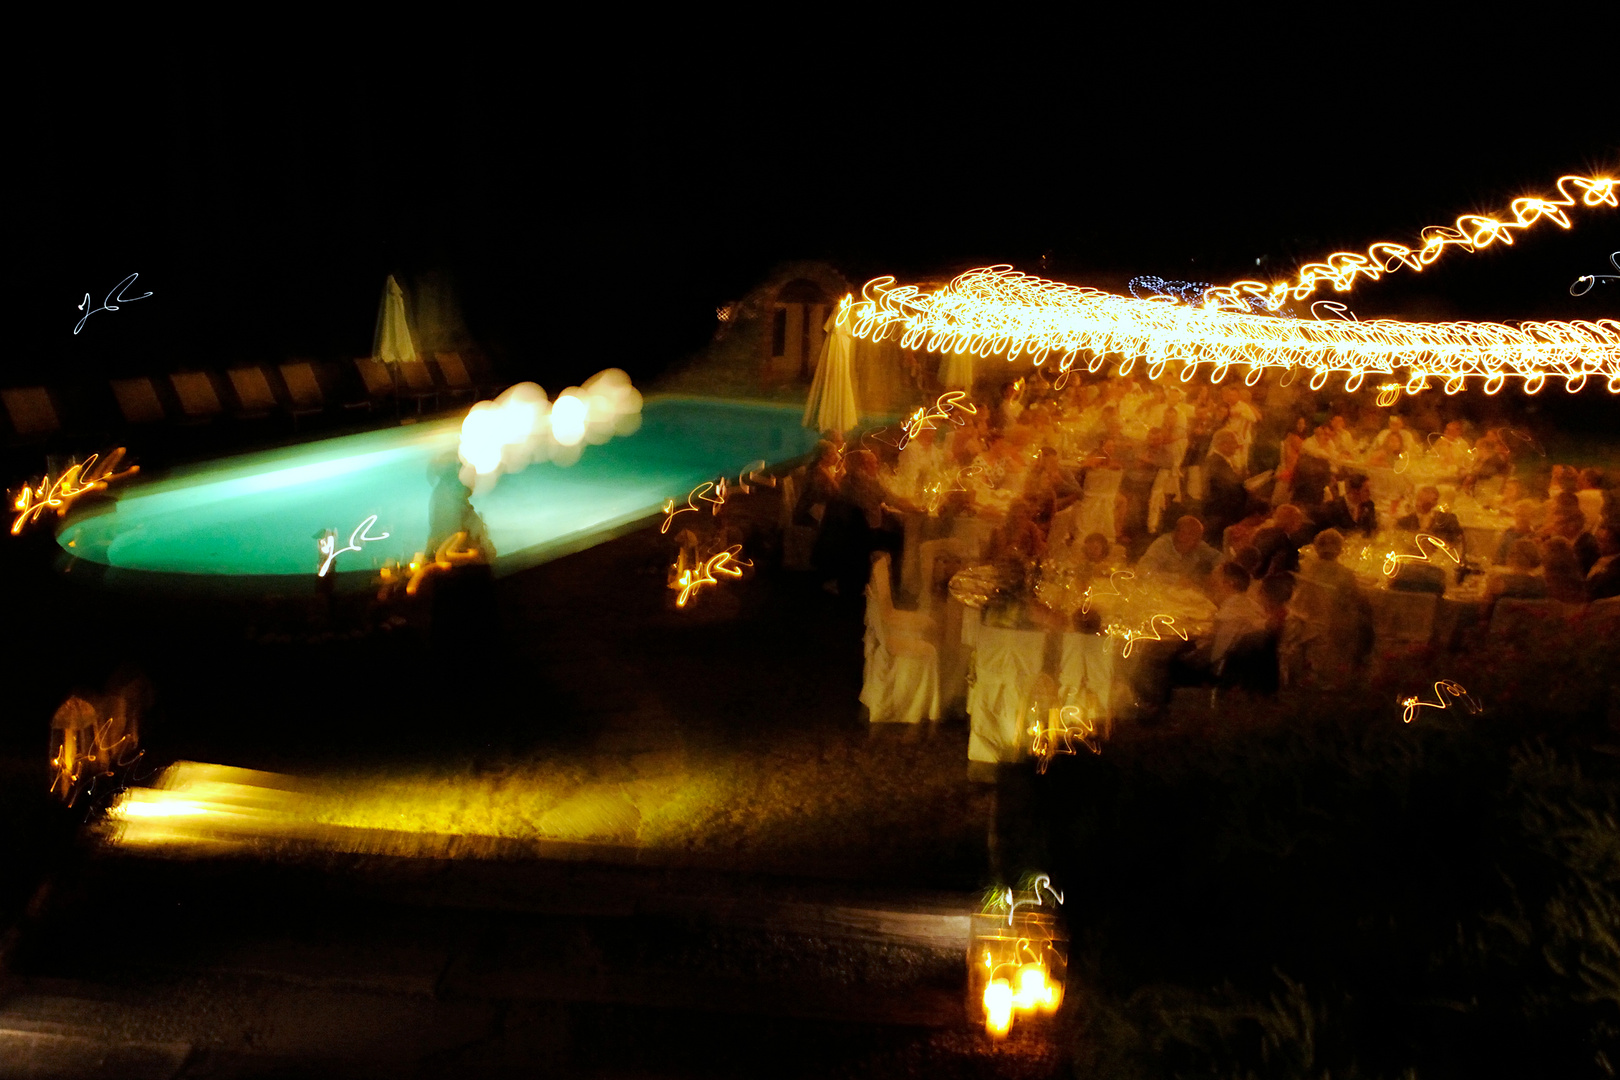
(253, 397)
(456, 380)
(138, 401)
(31, 411)
(418, 382)
(197, 398)
(303, 390)
(378, 381)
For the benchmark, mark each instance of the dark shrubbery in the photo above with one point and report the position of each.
(1306, 895)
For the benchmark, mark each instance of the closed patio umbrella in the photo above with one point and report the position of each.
(832, 395)
(393, 343)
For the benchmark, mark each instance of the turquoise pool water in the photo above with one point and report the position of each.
(261, 513)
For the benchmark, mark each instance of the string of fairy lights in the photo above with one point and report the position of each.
(998, 311)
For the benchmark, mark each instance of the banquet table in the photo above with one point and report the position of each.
(1140, 626)
(1402, 617)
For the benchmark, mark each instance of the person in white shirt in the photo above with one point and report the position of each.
(1237, 613)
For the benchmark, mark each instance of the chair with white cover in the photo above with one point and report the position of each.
(900, 683)
(1006, 664)
(1322, 638)
(1097, 504)
(1086, 678)
(798, 541)
(1063, 537)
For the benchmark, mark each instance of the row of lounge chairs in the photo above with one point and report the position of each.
(295, 390)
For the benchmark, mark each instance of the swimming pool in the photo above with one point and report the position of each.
(260, 514)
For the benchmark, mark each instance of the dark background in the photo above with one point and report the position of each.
(596, 213)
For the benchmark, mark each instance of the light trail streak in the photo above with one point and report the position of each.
(328, 543)
(1022, 964)
(80, 478)
(1392, 561)
(690, 579)
(1148, 632)
(107, 302)
(1113, 589)
(1443, 689)
(1063, 728)
(1472, 232)
(996, 311)
(1584, 284)
(923, 419)
(449, 554)
(747, 480)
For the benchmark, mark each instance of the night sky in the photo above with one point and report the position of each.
(598, 219)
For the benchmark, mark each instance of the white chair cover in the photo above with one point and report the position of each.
(1064, 538)
(798, 541)
(1086, 678)
(900, 683)
(1097, 505)
(1006, 664)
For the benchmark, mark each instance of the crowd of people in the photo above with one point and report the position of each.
(1239, 492)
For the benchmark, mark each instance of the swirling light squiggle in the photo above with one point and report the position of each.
(1473, 232)
(997, 311)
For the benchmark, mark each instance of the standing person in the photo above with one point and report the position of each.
(1225, 497)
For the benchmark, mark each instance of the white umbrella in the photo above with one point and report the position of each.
(956, 372)
(832, 395)
(393, 343)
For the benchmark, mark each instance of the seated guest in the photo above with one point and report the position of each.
(1274, 593)
(1181, 553)
(1388, 452)
(1248, 557)
(1314, 470)
(1561, 571)
(1354, 511)
(1603, 580)
(1325, 569)
(1098, 558)
(1241, 534)
(1524, 528)
(1428, 517)
(1589, 493)
(1519, 578)
(1570, 525)
(822, 485)
(1344, 440)
(1237, 614)
(919, 461)
(1280, 539)
(1018, 537)
(1397, 427)
(1224, 494)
